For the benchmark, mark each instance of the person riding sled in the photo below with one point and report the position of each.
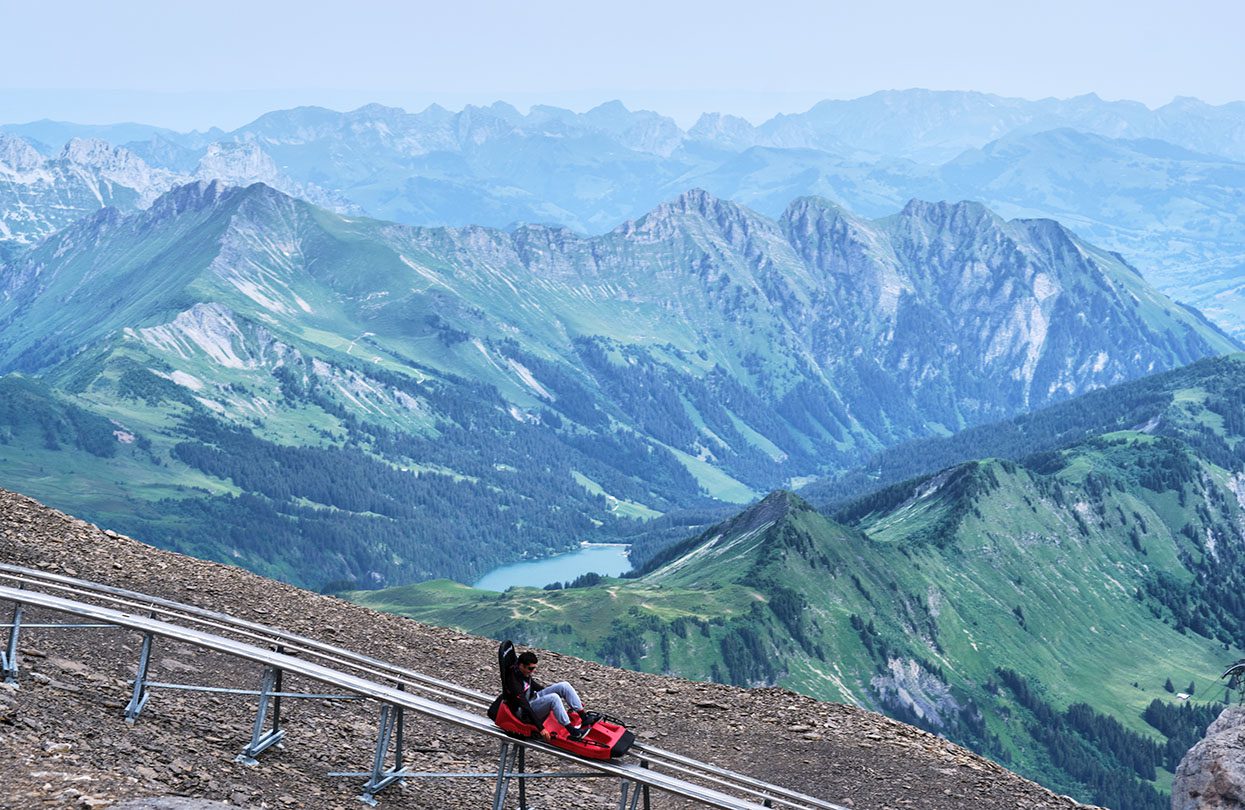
(528, 698)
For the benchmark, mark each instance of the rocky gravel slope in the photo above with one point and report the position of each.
(63, 742)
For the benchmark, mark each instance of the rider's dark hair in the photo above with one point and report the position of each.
(527, 657)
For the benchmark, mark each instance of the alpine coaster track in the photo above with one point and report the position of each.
(359, 677)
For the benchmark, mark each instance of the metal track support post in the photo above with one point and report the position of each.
(522, 781)
(8, 658)
(625, 791)
(506, 768)
(398, 762)
(138, 699)
(647, 798)
(391, 721)
(261, 741)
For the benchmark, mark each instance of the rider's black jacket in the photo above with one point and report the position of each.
(518, 690)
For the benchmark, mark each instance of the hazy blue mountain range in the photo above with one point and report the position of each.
(40, 195)
(1175, 213)
(356, 384)
(1162, 186)
(935, 126)
(1038, 608)
(923, 125)
(45, 135)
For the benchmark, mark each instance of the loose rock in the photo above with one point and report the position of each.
(185, 742)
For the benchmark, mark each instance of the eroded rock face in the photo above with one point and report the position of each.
(1212, 774)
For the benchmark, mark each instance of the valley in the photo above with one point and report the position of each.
(1031, 607)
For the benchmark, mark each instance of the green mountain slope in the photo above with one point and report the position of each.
(1033, 610)
(1150, 403)
(350, 388)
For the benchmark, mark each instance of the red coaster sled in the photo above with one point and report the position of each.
(607, 737)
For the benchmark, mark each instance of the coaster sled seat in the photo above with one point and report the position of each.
(607, 737)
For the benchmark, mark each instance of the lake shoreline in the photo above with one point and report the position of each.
(607, 559)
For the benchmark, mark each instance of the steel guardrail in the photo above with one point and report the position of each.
(338, 655)
(381, 692)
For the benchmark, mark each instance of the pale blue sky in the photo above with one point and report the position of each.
(225, 62)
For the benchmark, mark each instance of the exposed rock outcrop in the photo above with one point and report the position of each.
(1212, 774)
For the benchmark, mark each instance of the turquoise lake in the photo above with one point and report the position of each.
(607, 560)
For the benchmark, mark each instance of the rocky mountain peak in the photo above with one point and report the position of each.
(965, 214)
(774, 508)
(505, 111)
(299, 125)
(697, 200)
(194, 196)
(609, 111)
(237, 164)
(619, 113)
(17, 155)
(680, 215)
(641, 130)
(781, 503)
(245, 163)
(115, 162)
(726, 130)
(829, 237)
(938, 228)
(90, 151)
(376, 111)
(804, 211)
(1186, 104)
(700, 203)
(435, 114)
(46, 195)
(529, 235)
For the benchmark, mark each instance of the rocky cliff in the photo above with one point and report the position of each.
(1212, 775)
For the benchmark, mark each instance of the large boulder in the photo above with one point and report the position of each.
(1212, 774)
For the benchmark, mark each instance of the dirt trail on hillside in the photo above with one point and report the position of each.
(63, 742)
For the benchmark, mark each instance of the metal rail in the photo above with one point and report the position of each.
(398, 698)
(768, 793)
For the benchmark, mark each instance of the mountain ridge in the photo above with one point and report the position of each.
(609, 165)
(691, 354)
